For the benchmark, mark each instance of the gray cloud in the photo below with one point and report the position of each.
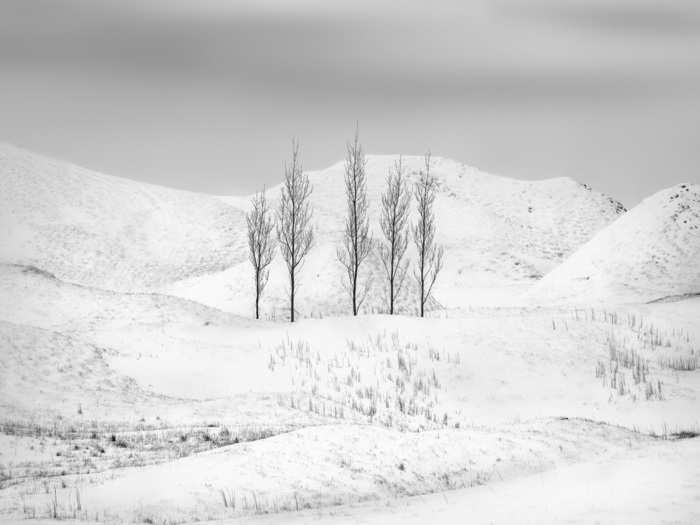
(163, 90)
(342, 55)
(671, 19)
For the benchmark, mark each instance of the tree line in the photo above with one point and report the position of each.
(289, 227)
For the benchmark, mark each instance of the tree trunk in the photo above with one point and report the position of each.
(422, 301)
(354, 292)
(291, 313)
(355, 261)
(257, 296)
(391, 279)
(391, 295)
(422, 286)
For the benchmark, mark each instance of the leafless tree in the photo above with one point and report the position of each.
(294, 230)
(357, 242)
(430, 255)
(260, 244)
(393, 222)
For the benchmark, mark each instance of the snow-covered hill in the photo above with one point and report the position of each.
(124, 398)
(500, 234)
(110, 232)
(650, 253)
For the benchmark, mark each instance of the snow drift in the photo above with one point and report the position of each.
(650, 253)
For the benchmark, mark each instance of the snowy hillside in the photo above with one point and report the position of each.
(128, 392)
(650, 253)
(499, 234)
(110, 232)
(119, 234)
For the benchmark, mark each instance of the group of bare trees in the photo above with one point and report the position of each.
(295, 235)
(394, 224)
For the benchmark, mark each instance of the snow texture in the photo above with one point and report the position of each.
(554, 379)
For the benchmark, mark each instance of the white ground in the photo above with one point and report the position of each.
(659, 485)
(133, 389)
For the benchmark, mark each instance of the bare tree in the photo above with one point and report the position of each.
(357, 242)
(260, 244)
(430, 255)
(294, 230)
(393, 221)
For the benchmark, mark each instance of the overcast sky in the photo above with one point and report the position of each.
(206, 94)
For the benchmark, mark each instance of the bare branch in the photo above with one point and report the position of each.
(357, 242)
(393, 222)
(430, 256)
(260, 244)
(294, 213)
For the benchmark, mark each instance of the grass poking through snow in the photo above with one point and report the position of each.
(381, 380)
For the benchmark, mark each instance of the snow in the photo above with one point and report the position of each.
(135, 386)
(109, 232)
(501, 234)
(328, 465)
(659, 485)
(649, 253)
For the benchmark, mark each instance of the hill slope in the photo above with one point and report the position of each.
(499, 234)
(651, 252)
(117, 234)
(110, 232)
